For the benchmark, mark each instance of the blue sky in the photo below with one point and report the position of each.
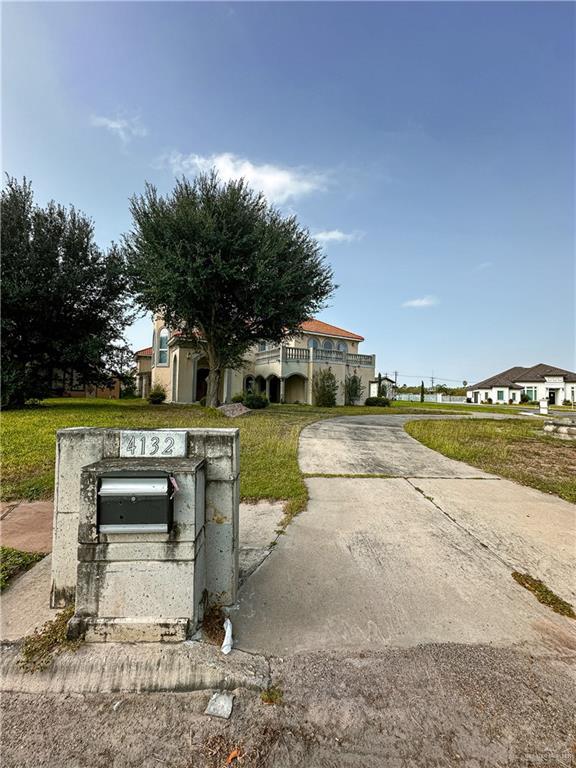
(431, 147)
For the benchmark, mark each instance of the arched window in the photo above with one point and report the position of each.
(313, 343)
(163, 347)
(342, 346)
(328, 345)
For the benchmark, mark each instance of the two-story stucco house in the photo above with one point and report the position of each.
(283, 372)
(538, 383)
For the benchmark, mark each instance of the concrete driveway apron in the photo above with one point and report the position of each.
(423, 555)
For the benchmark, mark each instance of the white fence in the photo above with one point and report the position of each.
(436, 398)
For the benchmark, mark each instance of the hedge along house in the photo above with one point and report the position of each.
(283, 372)
(540, 382)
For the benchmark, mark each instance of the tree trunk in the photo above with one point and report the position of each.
(213, 384)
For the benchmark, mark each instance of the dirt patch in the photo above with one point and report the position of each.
(544, 456)
(434, 706)
(213, 625)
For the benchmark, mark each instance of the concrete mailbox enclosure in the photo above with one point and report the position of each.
(143, 584)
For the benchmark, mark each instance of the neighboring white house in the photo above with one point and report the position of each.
(284, 372)
(382, 387)
(538, 382)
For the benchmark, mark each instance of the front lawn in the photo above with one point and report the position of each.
(13, 562)
(268, 440)
(517, 449)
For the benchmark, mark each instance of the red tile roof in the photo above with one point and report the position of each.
(317, 326)
(144, 352)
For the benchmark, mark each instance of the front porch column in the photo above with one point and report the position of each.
(282, 389)
(193, 378)
(226, 393)
(268, 388)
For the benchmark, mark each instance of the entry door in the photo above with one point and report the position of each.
(552, 397)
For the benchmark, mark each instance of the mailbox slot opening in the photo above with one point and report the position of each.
(135, 502)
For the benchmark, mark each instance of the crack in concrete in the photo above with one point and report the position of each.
(9, 509)
(458, 524)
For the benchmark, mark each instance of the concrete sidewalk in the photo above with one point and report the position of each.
(27, 525)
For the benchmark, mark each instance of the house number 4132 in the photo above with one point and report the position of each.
(149, 443)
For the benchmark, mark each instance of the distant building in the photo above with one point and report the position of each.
(538, 382)
(143, 358)
(382, 387)
(69, 383)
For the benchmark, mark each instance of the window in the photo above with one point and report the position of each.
(153, 347)
(262, 346)
(342, 346)
(163, 347)
(313, 343)
(500, 394)
(328, 345)
(513, 396)
(532, 392)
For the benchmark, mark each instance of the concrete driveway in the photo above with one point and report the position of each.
(422, 556)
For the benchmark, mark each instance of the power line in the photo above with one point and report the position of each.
(421, 376)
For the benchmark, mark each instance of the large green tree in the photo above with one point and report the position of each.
(64, 300)
(224, 268)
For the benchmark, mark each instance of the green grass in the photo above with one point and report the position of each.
(39, 649)
(516, 449)
(544, 594)
(13, 562)
(272, 695)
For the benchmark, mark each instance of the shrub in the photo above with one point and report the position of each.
(325, 388)
(381, 401)
(567, 402)
(353, 389)
(524, 398)
(238, 397)
(202, 401)
(157, 395)
(255, 401)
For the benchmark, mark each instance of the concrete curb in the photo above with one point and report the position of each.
(121, 667)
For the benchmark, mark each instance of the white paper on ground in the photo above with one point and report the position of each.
(228, 641)
(220, 705)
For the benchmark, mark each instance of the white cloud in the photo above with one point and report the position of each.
(278, 184)
(425, 301)
(482, 266)
(337, 236)
(126, 128)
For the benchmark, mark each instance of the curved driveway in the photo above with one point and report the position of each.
(424, 555)
(374, 445)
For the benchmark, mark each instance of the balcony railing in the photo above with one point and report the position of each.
(300, 355)
(296, 353)
(268, 355)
